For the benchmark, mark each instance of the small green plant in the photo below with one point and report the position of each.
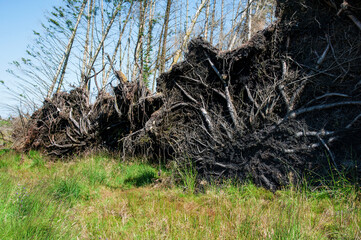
(5, 122)
(70, 189)
(24, 203)
(94, 171)
(188, 175)
(38, 160)
(96, 176)
(3, 151)
(8, 158)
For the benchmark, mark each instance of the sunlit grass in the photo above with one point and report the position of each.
(4, 122)
(101, 197)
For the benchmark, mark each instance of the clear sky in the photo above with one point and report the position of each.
(18, 19)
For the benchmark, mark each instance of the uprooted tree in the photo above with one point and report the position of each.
(285, 103)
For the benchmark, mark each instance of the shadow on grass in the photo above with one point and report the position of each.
(141, 179)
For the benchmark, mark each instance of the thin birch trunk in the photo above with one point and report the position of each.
(91, 64)
(249, 22)
(128, 54)
(165, 34)
(244, 14)
(92, 38)
(150, 39)
(206, 28)
(213, 22)
(118, 44)
(86, 47)
(221, 34)
(103, 50)
(63, 63)
(120, 38)
(187, 9)
(138, 54)
(158, 58)
(188, 33)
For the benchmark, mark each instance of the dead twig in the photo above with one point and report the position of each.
(329, 152)
(297, 112)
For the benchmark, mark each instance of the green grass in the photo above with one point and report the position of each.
(69, 188)
(134, 175)
(101, 197)
(26, 213)
(4, 122)
(5, 133)
(187, 174)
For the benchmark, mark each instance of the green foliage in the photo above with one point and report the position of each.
(54, 22)
(69, 24)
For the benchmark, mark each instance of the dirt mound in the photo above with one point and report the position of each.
(285, 103)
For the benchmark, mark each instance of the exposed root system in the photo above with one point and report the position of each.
(285, 103)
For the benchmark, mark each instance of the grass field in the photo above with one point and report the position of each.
(98, 197)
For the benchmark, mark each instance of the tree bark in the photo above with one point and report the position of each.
(103, 52)
(165, 34)
(206, 28)
(86, 46)
(188, 33)
(138, 54)
(91, 64)
(221, 34)
(63, 63)
(213, 22)
(118, 44)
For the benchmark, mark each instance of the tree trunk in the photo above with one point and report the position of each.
(86, 46)
(221, 34)
(238, 27)
(249, 21)
(206, 27)
(158, 59)
(213, 25)
(91, 64)
(118, 44)
(138, 54)
(165, 34)
(187, 9)
(188, 33)
(149, 42)
(63, 63)
(103, 50)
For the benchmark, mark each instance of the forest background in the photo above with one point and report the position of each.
(141, 38)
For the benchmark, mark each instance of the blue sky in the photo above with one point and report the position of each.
(18, 19)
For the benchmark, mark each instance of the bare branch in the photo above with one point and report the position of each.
(295, 113)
